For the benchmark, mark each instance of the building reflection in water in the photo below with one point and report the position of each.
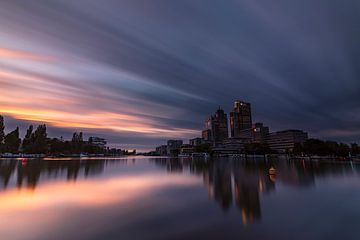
(230, 183)
(241, 183)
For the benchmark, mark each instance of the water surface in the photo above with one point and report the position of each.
(159, 198)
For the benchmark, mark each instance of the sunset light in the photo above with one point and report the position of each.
(179, 120)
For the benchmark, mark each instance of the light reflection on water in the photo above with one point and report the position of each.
(159, 198)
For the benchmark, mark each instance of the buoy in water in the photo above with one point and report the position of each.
(272, 171)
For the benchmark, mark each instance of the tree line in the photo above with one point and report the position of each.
(309, 147)
(36, 141)
(326, 148)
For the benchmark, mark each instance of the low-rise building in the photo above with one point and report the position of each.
(196, 141)
(161, 150)
(257, 133)
(230, 146)
(97, 141)
(206, 135)
(186, 149)
(284, 141)
(173, 147)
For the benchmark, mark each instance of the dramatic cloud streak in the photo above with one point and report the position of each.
(148, 71)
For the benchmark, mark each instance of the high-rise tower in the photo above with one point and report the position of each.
(216, 127)
(240, 118)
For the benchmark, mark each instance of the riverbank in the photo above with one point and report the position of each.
(82, 155)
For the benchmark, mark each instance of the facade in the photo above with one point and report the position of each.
(173, 147)
(161, 150)
(196, 142)
(216, 127)
(284, 141)
(257, 133)
(240, 118)
(230, 146)
(206, 135)
(186, 149)
(99, 142)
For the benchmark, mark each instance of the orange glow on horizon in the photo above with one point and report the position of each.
(60, 98)
(98, 120)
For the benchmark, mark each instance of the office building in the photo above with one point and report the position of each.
(173, 147)
(284, 141)
(196, 141)
(187, 149)
(216, 127)
(97, 141)
(230, 146)
(161, 150)
(257, 133)
(240, 118)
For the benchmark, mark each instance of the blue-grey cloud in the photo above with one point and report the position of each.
(297, 62)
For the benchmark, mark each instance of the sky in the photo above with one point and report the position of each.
(141, 72)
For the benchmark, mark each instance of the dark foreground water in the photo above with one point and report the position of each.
(153, 198)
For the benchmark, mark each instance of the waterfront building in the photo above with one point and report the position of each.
(240, 118)
(230, 146)
(257, 133)
(206, 135)
(161, 150)
(173, 147)
(196, 141)
(284, 141)
(187, 149)
(216, 127)
(97, 141)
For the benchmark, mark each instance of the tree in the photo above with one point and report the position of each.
(28, 139)
(343, 150)
(355, 149)
(315, 147)
(40, 139)
(57, 146)
(325, 148)
(2, 129)
(77, 142)
(77, 137)
(35, 142)
(298, 149)
(12, 141)
(2, 133)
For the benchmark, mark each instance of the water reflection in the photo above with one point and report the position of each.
(167, 198)
(28, 171)
(241, 182)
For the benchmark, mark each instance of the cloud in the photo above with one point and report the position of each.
(166, 65)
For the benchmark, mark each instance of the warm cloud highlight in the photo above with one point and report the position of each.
(7, 53)
(166, 71)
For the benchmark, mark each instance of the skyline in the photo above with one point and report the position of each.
(138, 74)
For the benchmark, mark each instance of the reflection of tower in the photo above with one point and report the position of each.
(266, 184)
(221, 179)
(247, 195)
